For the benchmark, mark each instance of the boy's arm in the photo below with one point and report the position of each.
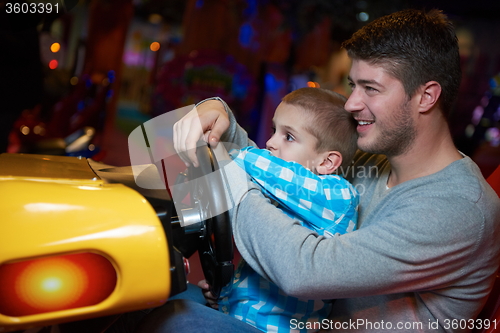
(327, 204)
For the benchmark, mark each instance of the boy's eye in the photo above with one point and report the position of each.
(273, 129)
(289, 137)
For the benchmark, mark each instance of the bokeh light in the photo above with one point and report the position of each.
(55, 47)
(312, 84)
(363, 16)
(25, 130)
(53, 64)
(155, 46)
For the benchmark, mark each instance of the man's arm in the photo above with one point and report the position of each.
(399, 254)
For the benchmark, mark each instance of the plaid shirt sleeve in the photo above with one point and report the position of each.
(327, 204)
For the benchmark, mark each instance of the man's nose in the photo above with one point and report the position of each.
(354, 103)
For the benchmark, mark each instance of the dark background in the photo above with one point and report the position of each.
(250, 52)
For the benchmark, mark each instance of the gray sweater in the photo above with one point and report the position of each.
(424, 256)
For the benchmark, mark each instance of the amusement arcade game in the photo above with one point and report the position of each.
(80, 239)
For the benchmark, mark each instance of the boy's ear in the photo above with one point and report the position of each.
(331, 161)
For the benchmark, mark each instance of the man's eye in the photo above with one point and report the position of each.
(370, 89)
(352, 85)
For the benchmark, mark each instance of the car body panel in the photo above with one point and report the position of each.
(56, 206)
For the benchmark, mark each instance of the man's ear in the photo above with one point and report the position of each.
(430, 95)
(330, 161)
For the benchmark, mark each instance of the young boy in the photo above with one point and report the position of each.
(313, 137)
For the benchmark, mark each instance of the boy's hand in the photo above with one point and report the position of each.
(209, 121)
(205, 289)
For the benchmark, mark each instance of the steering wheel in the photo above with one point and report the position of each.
(215, 244)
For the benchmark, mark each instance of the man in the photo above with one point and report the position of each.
(426, 251)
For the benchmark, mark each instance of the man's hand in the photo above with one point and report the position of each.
(209, 121)
(205, 289)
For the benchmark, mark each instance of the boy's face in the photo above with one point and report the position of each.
(291, 141)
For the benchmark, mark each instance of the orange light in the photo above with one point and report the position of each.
(155, 46)
(47, 284)
(312, 84)
(55, 47)
(55, 283)
(53, 64)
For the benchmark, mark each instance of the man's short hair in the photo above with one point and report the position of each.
(333, 127)
(415, 47)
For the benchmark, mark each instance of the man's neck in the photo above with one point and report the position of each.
(432, 154)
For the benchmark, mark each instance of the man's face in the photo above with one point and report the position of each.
(291, 141)
(383, 111)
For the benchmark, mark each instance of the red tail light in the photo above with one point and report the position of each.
(55, 283)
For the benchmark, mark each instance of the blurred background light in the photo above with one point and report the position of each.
(55, 47)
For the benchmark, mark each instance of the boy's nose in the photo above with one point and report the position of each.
(270, 144)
